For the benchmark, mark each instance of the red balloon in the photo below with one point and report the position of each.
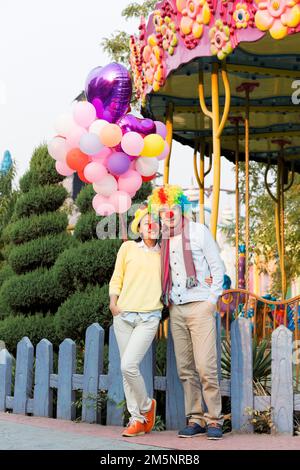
(82, 177)
(148, 178)
(77, 160)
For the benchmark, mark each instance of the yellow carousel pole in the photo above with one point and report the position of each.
(169, 138)
(217, 129)
(200, 176)
(247, 87)
(279, 208)
(236, 120)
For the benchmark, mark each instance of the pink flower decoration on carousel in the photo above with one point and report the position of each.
(166, 31)
(241, 15)
(154, 66)
(277, 16)
(219, 36)
(195, 14)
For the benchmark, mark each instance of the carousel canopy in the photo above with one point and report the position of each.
(260, 43)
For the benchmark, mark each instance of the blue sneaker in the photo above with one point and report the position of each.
(214, 431)
(192, 430)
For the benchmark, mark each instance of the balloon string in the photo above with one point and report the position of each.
(123, 228)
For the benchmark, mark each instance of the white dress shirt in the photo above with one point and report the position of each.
(207, 261)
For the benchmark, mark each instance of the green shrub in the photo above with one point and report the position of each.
(82, 309)
(36, 291)
(39, 200)
(29, 228)
(143, 192)
(41, 252)
(37, 327)
(84, 199)
(6, 272)
(85, 228)
(89, 263)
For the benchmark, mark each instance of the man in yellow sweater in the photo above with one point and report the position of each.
(135, 302)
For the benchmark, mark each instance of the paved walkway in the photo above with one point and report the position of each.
(32, 433)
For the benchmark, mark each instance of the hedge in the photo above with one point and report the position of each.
(39, 200)
(29, 228)
(90, 263)
(41, 252)
(42, 171)
(84, 199)
(36, 291)
(82, 309)
(6, 272)
(36, 327)
(85, 228)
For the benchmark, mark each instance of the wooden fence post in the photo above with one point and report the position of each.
(43, 394)
(5, 377)
(282, 380)
(147, 369)
(219, 348)
(93, 367)
(24, 376)
(241, 374)
(66, 369)
(175, 409)
(115, 383)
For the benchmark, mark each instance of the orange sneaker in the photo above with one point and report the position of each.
(134, 428)
(150, 417)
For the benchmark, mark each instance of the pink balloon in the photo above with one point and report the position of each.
(102, 156)
(94, 172)
(107, 186)
(63, 169)
(121, 201)
(74, 135)
(130, 182)
(105, 209)
(161, 129)
(98, 199)
(165, 152)
(84, 113)
(132, 143)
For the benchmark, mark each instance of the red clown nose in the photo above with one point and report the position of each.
(169, 214)
(152, 226)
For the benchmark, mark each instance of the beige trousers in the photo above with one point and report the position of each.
(133, 342)
(193, 327)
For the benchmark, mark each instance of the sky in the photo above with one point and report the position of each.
(47, 49)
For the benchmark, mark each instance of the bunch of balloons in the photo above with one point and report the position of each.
(108, 147)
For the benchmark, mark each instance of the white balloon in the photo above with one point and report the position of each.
(107, 186)
(64, 123)
(146, 166)
(58, 149)
(97, 125)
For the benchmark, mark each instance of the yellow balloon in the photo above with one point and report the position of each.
(154, 145)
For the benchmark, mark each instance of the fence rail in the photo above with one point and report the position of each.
(35, 381)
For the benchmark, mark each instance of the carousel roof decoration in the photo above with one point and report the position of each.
(259, 41)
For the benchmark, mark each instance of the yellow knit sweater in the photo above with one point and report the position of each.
(137, 279)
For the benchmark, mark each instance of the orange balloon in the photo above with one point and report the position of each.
(111, 135)
(77, 160)
(82, 177)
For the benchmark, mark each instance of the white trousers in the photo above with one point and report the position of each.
(134, 341)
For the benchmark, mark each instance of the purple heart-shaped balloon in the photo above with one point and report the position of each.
(112, 86)
(131, 123)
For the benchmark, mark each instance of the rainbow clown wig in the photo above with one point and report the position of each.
(170, 195)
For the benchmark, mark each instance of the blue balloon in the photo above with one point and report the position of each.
(6, 163)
